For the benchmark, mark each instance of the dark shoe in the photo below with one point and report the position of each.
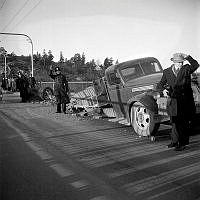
(58, 112)
(179, 148)
(171, 145)
(186, 144)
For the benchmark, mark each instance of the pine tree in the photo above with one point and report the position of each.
(61, 58)
(83, 58)
(44, 58)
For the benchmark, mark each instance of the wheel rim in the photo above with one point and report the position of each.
(142, 118)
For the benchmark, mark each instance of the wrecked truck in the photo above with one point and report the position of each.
(129, 90)
(127, 94)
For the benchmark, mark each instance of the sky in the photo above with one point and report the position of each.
(121, 29)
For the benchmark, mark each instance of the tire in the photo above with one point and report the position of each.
(1, 94)
(142, 120)
(47, 93)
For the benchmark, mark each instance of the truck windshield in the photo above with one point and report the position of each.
(150, 67)
(136, 70)
(131, 72)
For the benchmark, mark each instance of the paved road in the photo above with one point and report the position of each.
(45, 155)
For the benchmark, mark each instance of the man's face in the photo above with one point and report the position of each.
(178, 65)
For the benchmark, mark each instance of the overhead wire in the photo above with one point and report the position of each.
(12, 19)
(3, 4)
(28, 13)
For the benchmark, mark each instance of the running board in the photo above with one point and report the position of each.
(120, 120)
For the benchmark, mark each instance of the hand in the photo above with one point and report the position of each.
(165, 93)
(184, 55)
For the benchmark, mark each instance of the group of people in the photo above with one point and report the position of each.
(176, 85)
(20, 83)
(8, 83)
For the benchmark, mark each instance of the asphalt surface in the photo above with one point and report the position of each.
(44, 155)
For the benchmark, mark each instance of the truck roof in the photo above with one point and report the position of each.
(130, 62)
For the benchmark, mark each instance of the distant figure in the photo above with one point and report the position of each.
(22, 86)
(9, 84)
(4, 82)
(60, 89)
(13, 84)
(32, 82)
(176, 84)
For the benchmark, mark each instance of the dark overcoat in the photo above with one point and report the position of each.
(23, 85)
(60, 87)
(180, 91)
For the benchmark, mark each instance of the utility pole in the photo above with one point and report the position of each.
(3, 52)
(5, 65)
(21, 34)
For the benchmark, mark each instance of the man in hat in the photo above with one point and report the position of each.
(176, 84)
(60, 89)
(3, 81)
(23, 85)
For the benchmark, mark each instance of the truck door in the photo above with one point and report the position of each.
(116, 97)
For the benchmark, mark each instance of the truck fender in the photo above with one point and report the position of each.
(147, 100)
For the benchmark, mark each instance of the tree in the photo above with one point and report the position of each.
(61, 58)
(2, 51)
(91, 73)
(50, 57)
(37, 58)
(108, 62)
(78, 60)
(44, 58)
(83, 58)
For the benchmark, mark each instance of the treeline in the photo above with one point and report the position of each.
(75, 68)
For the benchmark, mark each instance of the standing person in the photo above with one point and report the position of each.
(23, 85)
(9, 84)
(60, 89)
(32, 81)
(13, 84)
(3, 83)
(176, 84)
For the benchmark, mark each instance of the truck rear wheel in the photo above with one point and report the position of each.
(1, 95)
(142, 120)
(47, 94)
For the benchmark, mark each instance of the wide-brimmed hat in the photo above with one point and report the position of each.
(178, 57)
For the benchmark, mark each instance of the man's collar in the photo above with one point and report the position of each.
(175, 71)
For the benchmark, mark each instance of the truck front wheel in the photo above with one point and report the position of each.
(142, 120)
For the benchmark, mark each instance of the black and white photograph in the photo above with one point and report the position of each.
(99, 100)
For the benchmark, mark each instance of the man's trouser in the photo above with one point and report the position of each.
(174, 134)
(183, 130)
(59, 107)
(61, 100)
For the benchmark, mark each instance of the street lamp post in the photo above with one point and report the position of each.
(5, 65)
(21, 34)
(31, 58)
(3, 52)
